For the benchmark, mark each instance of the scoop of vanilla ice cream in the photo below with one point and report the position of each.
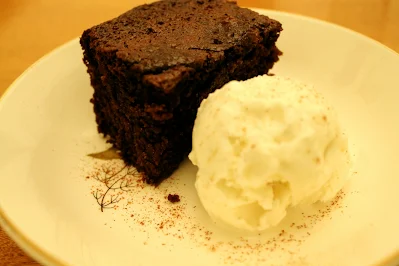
(263, 145)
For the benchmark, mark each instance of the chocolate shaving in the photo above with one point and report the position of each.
(108, 154)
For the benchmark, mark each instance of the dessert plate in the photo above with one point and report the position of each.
(64, 207)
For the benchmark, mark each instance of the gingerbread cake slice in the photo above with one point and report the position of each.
(152, 66)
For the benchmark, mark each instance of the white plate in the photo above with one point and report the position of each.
(47, 206)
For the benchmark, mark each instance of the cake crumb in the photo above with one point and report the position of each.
(173, 198)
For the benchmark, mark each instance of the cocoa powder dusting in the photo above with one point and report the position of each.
(180, 222)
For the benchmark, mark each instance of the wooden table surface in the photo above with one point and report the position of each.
(31, 28)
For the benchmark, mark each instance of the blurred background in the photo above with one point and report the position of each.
(31, 28)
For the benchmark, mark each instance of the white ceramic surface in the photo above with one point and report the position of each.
(48, 182)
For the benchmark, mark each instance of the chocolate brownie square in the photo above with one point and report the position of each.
(152, 66)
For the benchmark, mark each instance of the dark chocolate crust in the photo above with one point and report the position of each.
(152, 66)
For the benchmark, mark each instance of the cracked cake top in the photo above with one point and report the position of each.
(164, 34)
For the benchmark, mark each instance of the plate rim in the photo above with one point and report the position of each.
(39, 254)
(23, 242)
